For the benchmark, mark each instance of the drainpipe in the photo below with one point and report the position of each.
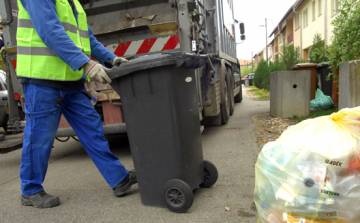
(300, 22)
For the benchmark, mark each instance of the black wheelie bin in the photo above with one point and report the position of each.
(160, 106)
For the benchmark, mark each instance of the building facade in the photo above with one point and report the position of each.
(262, 55)
(245, 63)
(302, 21)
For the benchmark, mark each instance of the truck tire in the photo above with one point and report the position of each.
(231, 90)
(238, 97)
(225, 106)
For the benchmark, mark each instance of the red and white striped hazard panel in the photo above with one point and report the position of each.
(141, 46)
(145, 46)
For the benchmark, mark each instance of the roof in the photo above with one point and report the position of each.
(287, 14)
(271, 41)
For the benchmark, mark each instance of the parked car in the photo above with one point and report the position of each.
(4, 117)
(3, 75)
(250, 77)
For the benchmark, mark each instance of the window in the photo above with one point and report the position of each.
(335, 6)
(297, 24)
(306, 19)
(313, 10)
(319, 7)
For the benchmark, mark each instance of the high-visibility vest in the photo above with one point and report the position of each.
(35, 59)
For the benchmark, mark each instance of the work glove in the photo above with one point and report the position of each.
(97, 72)
(117, 61)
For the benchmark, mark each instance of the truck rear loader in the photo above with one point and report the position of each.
(133, 28)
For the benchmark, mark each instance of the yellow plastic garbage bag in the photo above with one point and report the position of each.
(312, 172)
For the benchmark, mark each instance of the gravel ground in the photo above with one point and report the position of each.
(268, 128)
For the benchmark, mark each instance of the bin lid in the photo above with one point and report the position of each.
(323, 65)
(178, 59)
(305, 65)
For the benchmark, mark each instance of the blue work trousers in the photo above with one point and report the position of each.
(43, 112)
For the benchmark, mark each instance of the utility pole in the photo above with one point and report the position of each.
(267, 58)
(266, 47)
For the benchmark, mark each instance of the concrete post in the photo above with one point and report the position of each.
(349, 84)
(290, 94)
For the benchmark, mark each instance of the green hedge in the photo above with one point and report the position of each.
(262, 75)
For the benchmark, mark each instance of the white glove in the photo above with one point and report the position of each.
(117, 61)
(97, 72)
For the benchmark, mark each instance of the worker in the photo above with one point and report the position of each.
(1, 43)
(54, 44)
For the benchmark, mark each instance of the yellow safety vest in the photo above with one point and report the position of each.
(35, 59)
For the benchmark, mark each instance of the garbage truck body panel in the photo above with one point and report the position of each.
(134, 28)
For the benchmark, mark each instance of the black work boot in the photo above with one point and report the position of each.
(125, 185)
(40, 200)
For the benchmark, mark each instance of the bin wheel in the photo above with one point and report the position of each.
(210, 174)
(178, 196)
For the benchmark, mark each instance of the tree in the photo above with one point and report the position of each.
(345, 39)
(246, 70)
(262, 76)
(317, 52)
(290, 56)
(277, 65)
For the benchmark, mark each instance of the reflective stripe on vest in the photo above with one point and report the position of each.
(24, 23)
(35, 59)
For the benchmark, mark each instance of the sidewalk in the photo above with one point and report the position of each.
(252, 94)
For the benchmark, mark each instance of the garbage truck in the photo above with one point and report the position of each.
(134, 28)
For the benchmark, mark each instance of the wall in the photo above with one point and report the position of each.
(275, 44)
(297, 40)
(303, 36)
(315, 23)
(257, 58)
(330, 16)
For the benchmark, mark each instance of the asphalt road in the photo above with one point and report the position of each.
(86, 197)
